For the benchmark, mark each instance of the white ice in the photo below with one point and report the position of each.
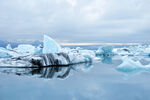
(50, 45)
(9, 47)
(140, 50)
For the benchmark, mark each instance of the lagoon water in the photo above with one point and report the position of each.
(98, 81)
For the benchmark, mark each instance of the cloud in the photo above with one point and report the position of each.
(75, 20)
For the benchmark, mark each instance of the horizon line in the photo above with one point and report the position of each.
(81, 44)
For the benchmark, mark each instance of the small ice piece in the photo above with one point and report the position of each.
(50, 45)
(9, 47)
(26, 49)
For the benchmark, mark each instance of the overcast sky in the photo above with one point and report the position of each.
(75, 20)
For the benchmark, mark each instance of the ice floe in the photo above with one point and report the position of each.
(131, 67)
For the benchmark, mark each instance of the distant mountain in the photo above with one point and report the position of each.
(15, 44)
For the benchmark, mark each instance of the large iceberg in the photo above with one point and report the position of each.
(50, 45)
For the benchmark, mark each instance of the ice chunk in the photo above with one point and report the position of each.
(129, 65)
(9, 47)
(105, 51)
(131, 68)
(50, 45)
(25, 49)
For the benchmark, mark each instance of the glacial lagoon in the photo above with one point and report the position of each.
(102, 79)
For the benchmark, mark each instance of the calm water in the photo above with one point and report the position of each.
(97, 81)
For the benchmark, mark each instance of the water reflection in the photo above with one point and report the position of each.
(48, 72)
(130, 66)
(106, 59)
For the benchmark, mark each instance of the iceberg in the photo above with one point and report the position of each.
(50, 45)
(105, 51)
(131, 68)
(129, 65)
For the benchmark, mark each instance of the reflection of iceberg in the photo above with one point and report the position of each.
(46, 72)
(130, 67)
(105, 53)
(106, 60)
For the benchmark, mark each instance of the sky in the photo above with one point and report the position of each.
(76, 21)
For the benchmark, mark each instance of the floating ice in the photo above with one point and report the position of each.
(140, 50)
(105, 51)
(130, 67)
(50, 45)
(25, 49)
